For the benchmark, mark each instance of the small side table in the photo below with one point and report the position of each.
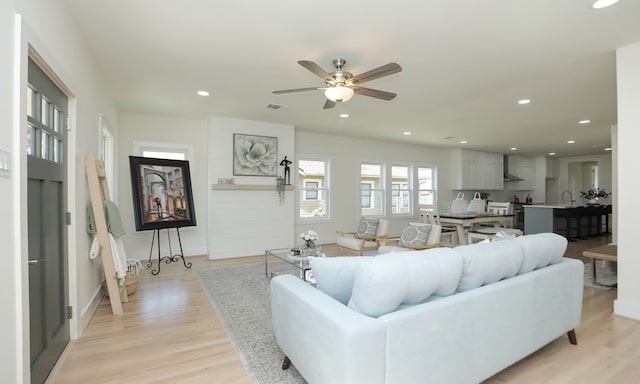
(607, 252)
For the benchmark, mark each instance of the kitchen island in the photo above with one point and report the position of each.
(541, 218)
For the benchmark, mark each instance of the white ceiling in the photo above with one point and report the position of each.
(465, 65)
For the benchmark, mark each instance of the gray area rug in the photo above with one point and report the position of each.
(240, 296)
(605, 273)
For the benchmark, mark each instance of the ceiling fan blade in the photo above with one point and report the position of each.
(329, 104)
(317, 70)
(374, 93)
(384, 70)
(297, 90)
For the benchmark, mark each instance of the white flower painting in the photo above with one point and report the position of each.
(255, 155)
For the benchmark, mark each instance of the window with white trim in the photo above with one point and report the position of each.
(426, 185)
(372, 189)
(313, 186)
(400, 191)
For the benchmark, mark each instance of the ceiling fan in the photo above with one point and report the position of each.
(342, 85)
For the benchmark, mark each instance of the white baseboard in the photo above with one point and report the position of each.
(630, 309)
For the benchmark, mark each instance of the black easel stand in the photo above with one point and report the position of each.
(169, 259)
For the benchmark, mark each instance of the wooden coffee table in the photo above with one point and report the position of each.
(607, 252)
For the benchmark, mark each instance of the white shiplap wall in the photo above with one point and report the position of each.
(246, 222)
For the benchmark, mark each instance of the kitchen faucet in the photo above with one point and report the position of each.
(571, 201)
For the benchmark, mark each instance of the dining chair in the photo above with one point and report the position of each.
(480, 233)
(429, 215)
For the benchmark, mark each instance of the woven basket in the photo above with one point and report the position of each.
(130, 283)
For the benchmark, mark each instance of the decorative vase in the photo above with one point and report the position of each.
(593, 202)
(309, 249)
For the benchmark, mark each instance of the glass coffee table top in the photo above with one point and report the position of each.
(282, 260)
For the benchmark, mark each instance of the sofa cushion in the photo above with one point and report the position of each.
(540, 250)
(385, 282)
(367, 228)
(335, 275)
(486, 263)
(413, 235)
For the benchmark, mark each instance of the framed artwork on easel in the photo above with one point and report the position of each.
(162, 196)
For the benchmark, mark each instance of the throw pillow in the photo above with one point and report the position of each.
(367, 228)
(414, 235)
(384, 283)
(335, 275)
(540, 250)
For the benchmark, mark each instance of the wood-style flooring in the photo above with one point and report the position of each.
(170, 334)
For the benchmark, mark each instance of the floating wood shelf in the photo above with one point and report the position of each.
(247, 187)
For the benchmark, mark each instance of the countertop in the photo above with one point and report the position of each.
(553, 206)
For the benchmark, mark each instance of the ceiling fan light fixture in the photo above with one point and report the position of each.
(339, 93)
(603, 3)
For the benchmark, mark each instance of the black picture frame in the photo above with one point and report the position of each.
(162, 195)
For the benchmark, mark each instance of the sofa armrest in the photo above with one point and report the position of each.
(343, 233)
(325, 340)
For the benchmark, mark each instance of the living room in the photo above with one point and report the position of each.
(47, 29)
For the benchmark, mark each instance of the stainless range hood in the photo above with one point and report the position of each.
(508, 176)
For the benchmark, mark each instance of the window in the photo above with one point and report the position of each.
(426, 186)
(366, 195)
(106, 153)
(171, 151)
(311, 190)
(45, 122)
(400, 192)
(372, 189)
(313, 184)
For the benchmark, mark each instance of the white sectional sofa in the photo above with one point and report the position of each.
(446, 315)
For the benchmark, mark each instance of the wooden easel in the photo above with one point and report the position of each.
(99, 191)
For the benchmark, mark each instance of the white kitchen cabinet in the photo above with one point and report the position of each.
(477, 170)
(553, 168)
(523, 167)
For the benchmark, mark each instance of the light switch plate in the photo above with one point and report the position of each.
(5, 163)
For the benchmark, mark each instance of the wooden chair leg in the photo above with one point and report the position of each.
(286, 363)
(572, 337)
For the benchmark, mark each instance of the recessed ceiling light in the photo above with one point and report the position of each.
(584, 121)
(603, 3)
(552, 153)
(524, 101)
(571, 141)
(608, 149)
(513, 148)
(463, 141)
(406, 133)
(344, 115)
(203, 93)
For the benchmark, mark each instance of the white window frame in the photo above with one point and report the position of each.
(323, 190)
(106, 149)
(408, 189)
(381, 189)
(434, 184)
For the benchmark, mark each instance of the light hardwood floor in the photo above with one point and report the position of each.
(170, 334)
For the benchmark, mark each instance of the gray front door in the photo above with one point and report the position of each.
(46, 186)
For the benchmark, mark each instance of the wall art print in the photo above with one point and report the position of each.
(255, 155)
(162, 196)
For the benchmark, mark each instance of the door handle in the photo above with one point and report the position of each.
(35, 262)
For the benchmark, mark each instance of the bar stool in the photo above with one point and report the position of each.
(606, 212)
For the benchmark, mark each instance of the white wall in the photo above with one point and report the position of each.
(628, 78)
(246, 222)
(163, 129)
(11, 330)
(605, 172)
(346, 155)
